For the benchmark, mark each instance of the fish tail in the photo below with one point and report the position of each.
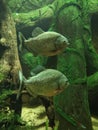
(21, 40)
(21, 81)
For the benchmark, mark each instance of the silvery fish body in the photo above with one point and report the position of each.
(46, 44)
(47, 83)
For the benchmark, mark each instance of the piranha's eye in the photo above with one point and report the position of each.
(64, 41)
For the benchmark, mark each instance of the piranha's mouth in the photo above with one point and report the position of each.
(61, 88)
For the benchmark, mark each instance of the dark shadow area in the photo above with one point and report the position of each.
(93, 94)
(93, 102)
(2, 50)
(94, 29)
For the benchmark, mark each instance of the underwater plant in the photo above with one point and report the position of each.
(8, 117)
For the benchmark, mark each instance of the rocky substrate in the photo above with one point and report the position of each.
(34, 115)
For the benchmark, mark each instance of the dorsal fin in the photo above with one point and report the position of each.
(37, 31)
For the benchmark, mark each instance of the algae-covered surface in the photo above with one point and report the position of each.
(36, 118)
(95, 123)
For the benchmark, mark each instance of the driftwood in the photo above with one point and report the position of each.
(34, 18)
(9, 60)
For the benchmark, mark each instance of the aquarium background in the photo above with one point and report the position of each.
(74, 108)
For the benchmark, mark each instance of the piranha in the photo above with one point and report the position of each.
(46, 43)
(49, 82)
